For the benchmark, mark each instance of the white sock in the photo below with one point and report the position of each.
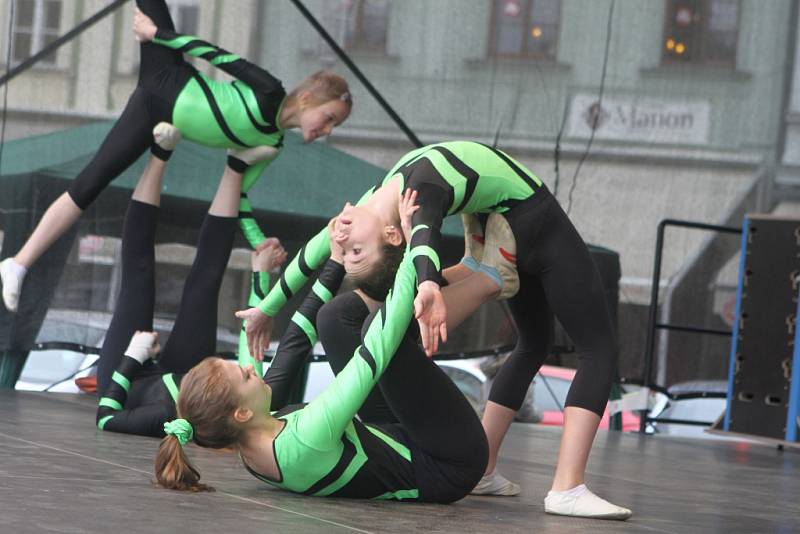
(19, 270)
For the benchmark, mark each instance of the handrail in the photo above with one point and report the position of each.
(652, 324)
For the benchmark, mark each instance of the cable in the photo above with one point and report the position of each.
(360, 75)
(599, 107)
(8, 69)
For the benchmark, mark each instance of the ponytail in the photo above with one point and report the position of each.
(173, 468)
(208, 401)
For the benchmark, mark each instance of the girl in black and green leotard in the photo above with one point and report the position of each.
(436, 452)
(555, 273)
(138, 396)
(252, 111)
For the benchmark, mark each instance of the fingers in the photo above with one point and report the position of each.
(424, 333)
(434, 339)
(267, 243)
(241, 314)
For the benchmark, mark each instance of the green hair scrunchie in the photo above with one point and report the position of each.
(181, 429)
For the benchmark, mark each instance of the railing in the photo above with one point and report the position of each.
(653, 325)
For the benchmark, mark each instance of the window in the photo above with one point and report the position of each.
(701, 31)
(525, 28)
(185, 15)
(366, 25)
(36, 25)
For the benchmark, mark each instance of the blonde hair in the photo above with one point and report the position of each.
(324, 86)
(207, 401)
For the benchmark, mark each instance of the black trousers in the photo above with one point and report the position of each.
(162, 75)
(194, 334)
(556, 273)
(447, 440)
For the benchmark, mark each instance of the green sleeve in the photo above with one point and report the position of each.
(259, 283)
(321, 424)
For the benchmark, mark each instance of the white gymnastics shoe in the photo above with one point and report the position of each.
(580, 502)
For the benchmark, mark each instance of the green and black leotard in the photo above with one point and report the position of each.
(437, 452)
(555, 268)
(238, 114)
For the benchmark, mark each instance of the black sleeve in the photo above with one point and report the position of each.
(427, 230)
(301, 335)
(257, 78)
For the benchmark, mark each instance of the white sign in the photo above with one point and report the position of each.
(642, 120)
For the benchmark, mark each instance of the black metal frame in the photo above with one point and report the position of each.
(652, 325)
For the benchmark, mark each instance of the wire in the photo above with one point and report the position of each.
(599, 107)
(8, 69)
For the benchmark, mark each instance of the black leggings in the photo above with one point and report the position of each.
(194, 334)
(449, 447)
(556, 273)
(162, 75)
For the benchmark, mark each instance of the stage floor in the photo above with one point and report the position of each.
(59, 474)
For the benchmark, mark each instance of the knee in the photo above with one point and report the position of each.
(346, 311)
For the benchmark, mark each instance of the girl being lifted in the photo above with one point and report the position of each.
(251, 112)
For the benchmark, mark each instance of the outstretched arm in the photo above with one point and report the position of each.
(301, 334)
(322, 423)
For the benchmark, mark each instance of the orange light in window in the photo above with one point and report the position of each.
(680, 48)
(536, 31)
(670, 44)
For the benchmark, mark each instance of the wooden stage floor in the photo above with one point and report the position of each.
(59, 474)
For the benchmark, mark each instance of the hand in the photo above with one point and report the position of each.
(268, 256)
(143, 346)
(143, 27)
(431, 313)
(258, 327)
(337, 252)
(406, 208)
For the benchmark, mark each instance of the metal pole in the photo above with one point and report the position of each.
(360, 75)
(651, 322)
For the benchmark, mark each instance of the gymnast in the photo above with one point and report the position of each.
(251, 112)
(138, 395)
(436, 452)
